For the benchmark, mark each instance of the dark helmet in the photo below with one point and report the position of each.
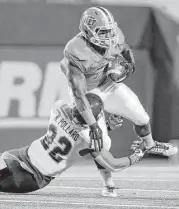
(96, 104)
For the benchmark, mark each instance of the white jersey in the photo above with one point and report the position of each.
(60, 147)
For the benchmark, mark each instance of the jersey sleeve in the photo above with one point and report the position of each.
(58, 105)
(121, 38)
(126, 51)
(72, 54)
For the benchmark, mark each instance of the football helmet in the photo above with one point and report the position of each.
(97, 25)
(97, 107)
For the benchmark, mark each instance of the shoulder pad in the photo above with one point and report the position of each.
(77, 52)
(76, 46)
(59, 105)
(121, 38)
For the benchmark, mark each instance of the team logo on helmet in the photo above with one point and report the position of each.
(90, 20)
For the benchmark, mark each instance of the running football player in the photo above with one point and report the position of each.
(66, 141)
(97, 60)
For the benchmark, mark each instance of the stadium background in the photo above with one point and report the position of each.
(32, 38)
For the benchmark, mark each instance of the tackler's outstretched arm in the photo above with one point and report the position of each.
(106, 159)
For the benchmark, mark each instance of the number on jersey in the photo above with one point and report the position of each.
(58, 148)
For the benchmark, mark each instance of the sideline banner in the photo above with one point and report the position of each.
(30, 81)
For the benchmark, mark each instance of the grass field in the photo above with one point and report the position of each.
(146, 185)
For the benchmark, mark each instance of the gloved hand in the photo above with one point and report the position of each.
(96, 137)
(136, 156)
(137, 144)
(113, 122)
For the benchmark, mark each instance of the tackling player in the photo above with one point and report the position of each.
(66, 141)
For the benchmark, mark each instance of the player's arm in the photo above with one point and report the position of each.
(122, 66)
(77, 82)
(128, 56)
(106, 159)
(78, 85)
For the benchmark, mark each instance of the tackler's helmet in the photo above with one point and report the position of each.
(97, 25)
(97, 107)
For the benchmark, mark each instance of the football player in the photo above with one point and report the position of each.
(67, 140)
(97, 60)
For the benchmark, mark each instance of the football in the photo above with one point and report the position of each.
(117, 70)
(117, 74)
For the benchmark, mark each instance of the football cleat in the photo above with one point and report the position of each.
(164, 149)
(109, 191)
(159, 148)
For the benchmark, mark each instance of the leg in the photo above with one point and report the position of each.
(6, 178)
(106, 176)
(129, 106)
(15, 179)
(124, 102)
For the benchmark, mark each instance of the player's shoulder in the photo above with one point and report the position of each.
(121, 37)
(60, 105)
(76, 46)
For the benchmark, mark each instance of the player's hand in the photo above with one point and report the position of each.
(137, 144)
(113, 122)
(96, 137)
(136, 156)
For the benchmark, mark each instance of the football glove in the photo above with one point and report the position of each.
(120, 69)
(137, 144)
(136, 156)
(96, 137)
(113, 122)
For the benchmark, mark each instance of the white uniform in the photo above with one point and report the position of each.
(60, 147)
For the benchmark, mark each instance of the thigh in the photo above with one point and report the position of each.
(18, 180)
(124, 102)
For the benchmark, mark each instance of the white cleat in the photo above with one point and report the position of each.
(164, 149)
(109, 191)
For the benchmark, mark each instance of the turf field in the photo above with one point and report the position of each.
(146, 185)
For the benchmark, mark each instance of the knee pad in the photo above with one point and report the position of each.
(142, 130)
(142, 119)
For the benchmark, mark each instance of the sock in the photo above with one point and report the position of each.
(144, 132)
(148, 141)
(106, 177)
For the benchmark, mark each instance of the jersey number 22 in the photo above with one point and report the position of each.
(56, 150)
